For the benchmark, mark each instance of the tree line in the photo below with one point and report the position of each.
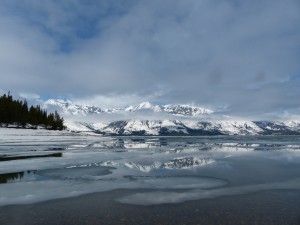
(19, 113)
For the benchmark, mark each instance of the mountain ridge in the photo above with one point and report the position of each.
(69, 108)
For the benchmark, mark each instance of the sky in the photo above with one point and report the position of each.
(238, 57)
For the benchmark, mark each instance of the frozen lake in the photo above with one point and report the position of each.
(152, 173)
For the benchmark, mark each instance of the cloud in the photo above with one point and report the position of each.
(30, 96)
(236, 53)
(115, 100)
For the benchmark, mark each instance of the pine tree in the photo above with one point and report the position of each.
(17, 112)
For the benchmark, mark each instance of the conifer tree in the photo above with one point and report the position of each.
(17, 112)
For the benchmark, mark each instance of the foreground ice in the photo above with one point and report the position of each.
(39, 165)
(168, 197)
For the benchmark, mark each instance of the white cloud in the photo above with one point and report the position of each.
(117, 100)
(235, 53)
(30, 96)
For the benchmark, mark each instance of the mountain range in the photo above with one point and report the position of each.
(69, 108)
(189, 120)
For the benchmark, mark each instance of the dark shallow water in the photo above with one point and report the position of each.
(266, 207)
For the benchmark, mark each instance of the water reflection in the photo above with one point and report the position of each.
(18, 157)
(201, 143)
(56, 149)
(18, 176)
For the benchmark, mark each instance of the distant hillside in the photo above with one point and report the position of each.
(185, 127)
(18, 113)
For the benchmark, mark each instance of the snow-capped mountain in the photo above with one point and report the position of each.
(188, 120)
(176, 127)
(69, 108)
(144, 106)
(186, 110)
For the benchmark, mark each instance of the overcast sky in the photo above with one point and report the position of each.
(239, 56)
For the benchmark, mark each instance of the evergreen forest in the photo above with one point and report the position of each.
(16, 112)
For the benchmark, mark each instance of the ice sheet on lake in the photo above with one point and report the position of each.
(168, 197)
(68, 186)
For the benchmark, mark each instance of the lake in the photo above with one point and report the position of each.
(51, 177)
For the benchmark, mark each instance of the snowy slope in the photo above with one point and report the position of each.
(186, 110)
(69, 108)
(176, 127)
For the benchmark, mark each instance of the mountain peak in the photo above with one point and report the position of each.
(145, 105)
(69, 108)
(187, 110)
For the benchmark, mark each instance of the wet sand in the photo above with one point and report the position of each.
(266, 207)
